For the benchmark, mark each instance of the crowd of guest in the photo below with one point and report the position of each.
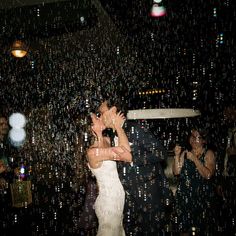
(203, 202)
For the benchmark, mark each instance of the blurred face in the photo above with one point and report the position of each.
(107, 114)
(2, 166)
(3, 126)
(97, 124)
(195, 139)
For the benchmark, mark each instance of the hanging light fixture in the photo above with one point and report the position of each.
(158, 9)
(19, 49)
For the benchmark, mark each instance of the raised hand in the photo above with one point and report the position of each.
(191, 156)
(119, 120)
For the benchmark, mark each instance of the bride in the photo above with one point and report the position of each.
(102, 163)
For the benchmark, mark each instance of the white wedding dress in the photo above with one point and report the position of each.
(109, 204)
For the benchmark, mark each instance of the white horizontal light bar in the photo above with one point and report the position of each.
(162, 113)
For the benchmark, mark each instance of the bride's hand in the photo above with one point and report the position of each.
(119, 120)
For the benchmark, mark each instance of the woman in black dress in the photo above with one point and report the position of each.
(195, 191)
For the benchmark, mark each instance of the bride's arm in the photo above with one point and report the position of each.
(123, 150)
(100, 154)
(96, 154)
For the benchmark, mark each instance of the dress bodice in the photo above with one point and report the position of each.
(107, 178)
(109, 204)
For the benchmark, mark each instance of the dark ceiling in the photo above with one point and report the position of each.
(188, 55)
(181, 44)
(30, 19)
(7, 4)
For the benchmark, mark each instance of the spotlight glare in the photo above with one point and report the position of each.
(17, 120)
(158, 11)
(17, 137)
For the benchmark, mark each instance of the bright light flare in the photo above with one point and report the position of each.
(158, 11)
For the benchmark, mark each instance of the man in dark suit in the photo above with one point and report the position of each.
(147, 189)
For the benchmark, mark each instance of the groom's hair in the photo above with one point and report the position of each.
(119, 102)
(112, 100)
(95, 103)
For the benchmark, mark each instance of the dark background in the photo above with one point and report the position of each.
(188, 56)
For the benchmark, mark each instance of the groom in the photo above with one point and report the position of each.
(146, 186)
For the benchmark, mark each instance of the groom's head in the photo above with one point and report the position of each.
(107, 113)
(107, 107)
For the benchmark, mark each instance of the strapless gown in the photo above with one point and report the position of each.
(109, 204)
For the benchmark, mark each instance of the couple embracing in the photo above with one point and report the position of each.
(133, 191)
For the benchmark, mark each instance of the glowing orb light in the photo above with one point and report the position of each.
(17, 120)
(158, 11)
(17, 137)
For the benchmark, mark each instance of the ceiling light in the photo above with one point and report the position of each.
(19, 49)
(157, 9)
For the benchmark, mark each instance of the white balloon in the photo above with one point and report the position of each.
(17, 120)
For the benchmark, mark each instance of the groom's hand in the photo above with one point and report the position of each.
(122, 154)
